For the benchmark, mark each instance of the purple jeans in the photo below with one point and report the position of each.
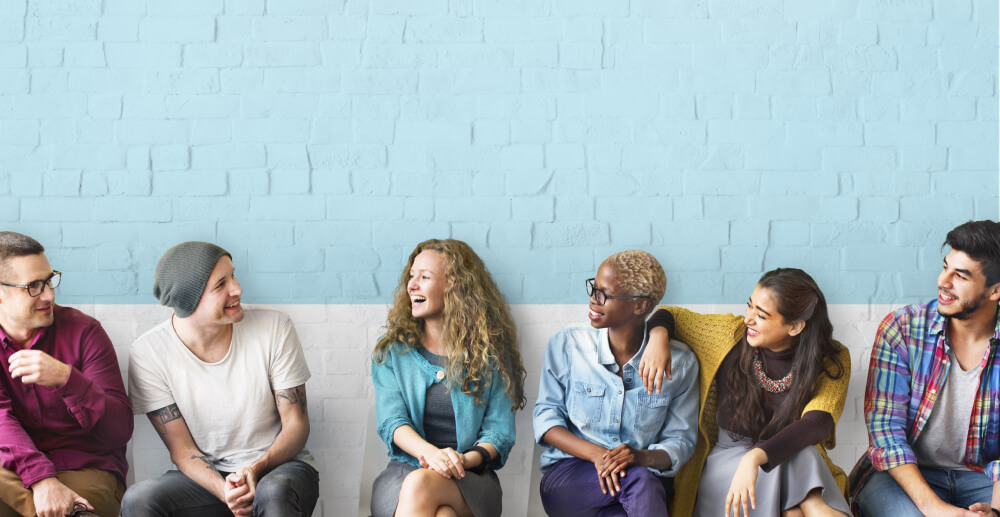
(570, 489)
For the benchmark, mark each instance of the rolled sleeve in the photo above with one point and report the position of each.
(550, 408)
(680, 431)
(993, 470)
(887, 397)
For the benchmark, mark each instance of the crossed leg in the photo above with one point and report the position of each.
(426, 493)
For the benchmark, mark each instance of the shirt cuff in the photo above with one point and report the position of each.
(886, 458)
(543, 423)
(673, 453)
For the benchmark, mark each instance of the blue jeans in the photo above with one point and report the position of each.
(291, 489)
(881, 494)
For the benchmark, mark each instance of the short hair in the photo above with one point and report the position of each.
(13, 244)
(980, 240)
(639, 274)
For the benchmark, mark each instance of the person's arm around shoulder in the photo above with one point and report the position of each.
(680, 431)
(656, 360)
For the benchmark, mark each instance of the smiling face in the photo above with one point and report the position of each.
(614, 312)
(21, 315)
(766, 327)
(220, 301)
(427, 285)
(962, 289)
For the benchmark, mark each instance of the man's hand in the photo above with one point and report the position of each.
(37, 367)
(241, 486)
(944, 509)
(54, 499)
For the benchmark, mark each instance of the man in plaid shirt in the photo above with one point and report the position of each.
(931, 403)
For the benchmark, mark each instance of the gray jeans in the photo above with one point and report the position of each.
(291, 489)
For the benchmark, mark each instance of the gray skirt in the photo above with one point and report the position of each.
(481, 491)
(784, 487)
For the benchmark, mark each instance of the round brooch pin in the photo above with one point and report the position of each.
(440, 375)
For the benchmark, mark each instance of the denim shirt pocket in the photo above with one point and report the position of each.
(651, 412)
(585, 402)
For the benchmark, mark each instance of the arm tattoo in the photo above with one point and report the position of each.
(208, 462)
(161, 416)
(294, 396)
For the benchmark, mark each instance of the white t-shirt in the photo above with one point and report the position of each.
(228, 405)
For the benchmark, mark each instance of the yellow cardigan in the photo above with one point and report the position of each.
(711, 337)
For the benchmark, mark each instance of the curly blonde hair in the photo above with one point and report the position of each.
(478, 328)
(639, 274)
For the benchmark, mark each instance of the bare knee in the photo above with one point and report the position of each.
(793, 512)
(815, 506)
(446, 511)
(417, 490)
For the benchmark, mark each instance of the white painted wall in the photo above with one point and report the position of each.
(338, 340)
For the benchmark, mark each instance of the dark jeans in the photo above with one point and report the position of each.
(881, 494)
(570, 488)
(290, 489)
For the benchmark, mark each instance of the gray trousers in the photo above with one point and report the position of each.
(291, 489)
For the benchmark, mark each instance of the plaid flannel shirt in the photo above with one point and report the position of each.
(909, 366)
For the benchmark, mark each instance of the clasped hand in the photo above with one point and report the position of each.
(448, 462)
(611, 467)
(241, 487)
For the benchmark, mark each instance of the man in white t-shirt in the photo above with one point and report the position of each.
(224, 386)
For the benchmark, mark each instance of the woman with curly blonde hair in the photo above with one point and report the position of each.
(448, 378)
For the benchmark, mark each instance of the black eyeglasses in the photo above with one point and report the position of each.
(600, 296)
(35, 288)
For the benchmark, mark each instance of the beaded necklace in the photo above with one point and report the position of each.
(769, 384)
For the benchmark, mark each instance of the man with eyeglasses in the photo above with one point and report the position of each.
(64, 415)
(224, 386)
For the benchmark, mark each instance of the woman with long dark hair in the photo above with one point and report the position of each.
(448, 378)
(773, 385)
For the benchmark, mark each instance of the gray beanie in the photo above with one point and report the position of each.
(182, 273)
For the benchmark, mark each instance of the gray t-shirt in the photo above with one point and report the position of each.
(942, 442)
(439, 413)
(228, 405)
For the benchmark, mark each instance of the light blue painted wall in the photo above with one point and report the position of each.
(320, 140)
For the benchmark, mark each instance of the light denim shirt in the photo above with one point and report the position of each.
(580, 391)
(401, 384)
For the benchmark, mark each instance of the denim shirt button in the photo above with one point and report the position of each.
(628, 380)
(588, 390)
(616, 420)
(614, 439)
(619, 392)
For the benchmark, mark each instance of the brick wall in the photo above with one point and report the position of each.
(320, 141)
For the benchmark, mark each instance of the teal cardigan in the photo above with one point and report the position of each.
(401, 383)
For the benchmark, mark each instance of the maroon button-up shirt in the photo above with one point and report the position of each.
(84, 423)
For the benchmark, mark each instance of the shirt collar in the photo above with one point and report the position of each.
(8, 341)
(605, 357)
(936, 323)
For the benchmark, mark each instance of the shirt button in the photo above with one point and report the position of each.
(628, 380)
(619, 392)
(588, 390)
(614, 439)
(616, 420)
